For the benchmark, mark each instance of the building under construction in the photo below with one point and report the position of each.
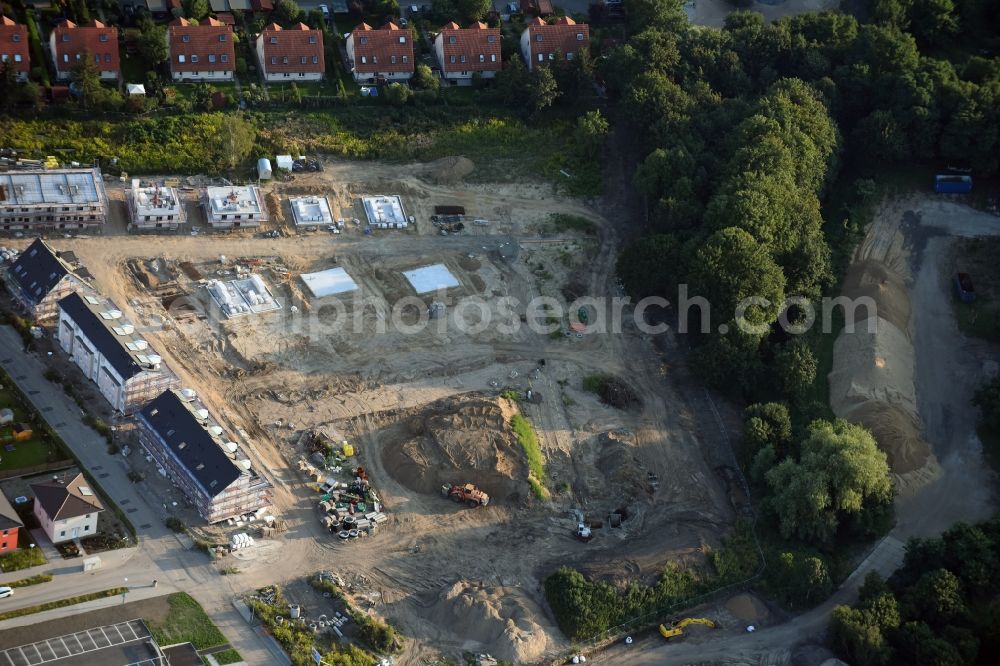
(234, 207)
(153, 207)
(194, 451)
(53, 199)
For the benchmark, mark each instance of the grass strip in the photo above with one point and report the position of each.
(528, 439)
(187, 622)
(62, 603)
(34, 580)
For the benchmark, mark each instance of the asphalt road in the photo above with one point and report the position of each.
(160, 555)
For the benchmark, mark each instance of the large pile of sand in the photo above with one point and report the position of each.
(872, 379)
(457, 440)
(498, 620)
(449, 170)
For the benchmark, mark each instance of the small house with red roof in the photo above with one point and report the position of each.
(541, 41)
(69, 43)
(295, 54)
(385, 54)
(201, 52)
(461, 52)
(14, 48)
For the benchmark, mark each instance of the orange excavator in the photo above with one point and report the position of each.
(468, 494)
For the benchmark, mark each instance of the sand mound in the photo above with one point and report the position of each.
(449, 170)
(457, 440)
(746, 608)
(873, 385)
(887, 289)
(897, 433)
(501, 620)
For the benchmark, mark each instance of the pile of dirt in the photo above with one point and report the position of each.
(503, 621)
(870, 279)
(617, 461)
(617, 393)
(449, 170)
(897, 432)
(457, 440)
(273, 202)
(747, 609)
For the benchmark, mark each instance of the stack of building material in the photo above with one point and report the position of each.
(240, 541)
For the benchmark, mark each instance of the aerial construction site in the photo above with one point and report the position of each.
(413, 340)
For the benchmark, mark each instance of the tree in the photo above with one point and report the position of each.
(87, 78)
(856, 639)
(542, 89)
(840, 474)
(590, 133)
(936, 598)
(196, 9)
(424, 79)
(32, 95)
(917, 644)
(795, 369)
(933, 22)
(286, 12)
(473, 10)
(8, 86)
(202, 97)
(235, 140)
(767, 424)
(730, 268)
(512, 83)
(662, 15)
(398, 94)
(152, 44)
(987, 399)
(799, 580)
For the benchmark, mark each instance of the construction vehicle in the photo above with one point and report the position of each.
(468, 494)
(677, 628)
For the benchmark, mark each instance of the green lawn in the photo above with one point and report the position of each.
(23, 558)
(187, 622)
(36, 451)
(61, 603)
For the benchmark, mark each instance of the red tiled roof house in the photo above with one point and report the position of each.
(386, 53)
(541, 41)
(70, 42)
(295, 54)
(461, 52)
(202, 52)
(14, 47)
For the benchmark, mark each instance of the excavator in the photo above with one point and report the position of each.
(677, 628)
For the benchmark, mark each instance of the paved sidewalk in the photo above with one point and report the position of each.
(163, 555)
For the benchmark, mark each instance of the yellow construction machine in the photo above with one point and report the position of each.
(677, 628)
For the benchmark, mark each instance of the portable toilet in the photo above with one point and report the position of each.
(264, 168)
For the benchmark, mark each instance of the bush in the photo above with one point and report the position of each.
(175, 524)
(62, 603)
(34, 580)
(23, 558)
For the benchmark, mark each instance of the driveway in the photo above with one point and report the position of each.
(161, 554)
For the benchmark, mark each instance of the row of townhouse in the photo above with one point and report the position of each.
(206, 52)
(190, 446)
(386, 53)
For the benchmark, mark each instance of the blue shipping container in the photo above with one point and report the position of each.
(952, 184)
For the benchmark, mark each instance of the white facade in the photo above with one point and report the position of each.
(179, 77)
(234, 207)
(68, 529)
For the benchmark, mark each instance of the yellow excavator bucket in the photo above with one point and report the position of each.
(669, 633)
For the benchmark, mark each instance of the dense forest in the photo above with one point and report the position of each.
(938, 609)
(759, 149)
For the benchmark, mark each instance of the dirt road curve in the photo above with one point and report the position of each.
(948, 368)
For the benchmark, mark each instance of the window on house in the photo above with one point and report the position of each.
(4, 57)
(87, 516)
(303, 60)
(538, 38)
(493, 57)
(211, 57)
(17, 57)
(62, 533)
(364, 40)
(274, 60)
(194, 58)
(569, 55)
(4, 546)
(463, 58)
(491, 38)
(104, 39)
(406, 58)
(65, 38)
(107, 57)
(86, 528)
(65, 57)
(6, 532)
(453, 60)
(579, 36)
(222, 38)
(315, 60)
(185, 38)
(274, 40)
(312, 39)
(402, 40)
(17, 38)
(452, 39)
(180, 59)
(375, 60)
(97, 59)
(541, 57)
(284, 60)
(392, 59)
(225, 57)
(364, 60)
(482, 58)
